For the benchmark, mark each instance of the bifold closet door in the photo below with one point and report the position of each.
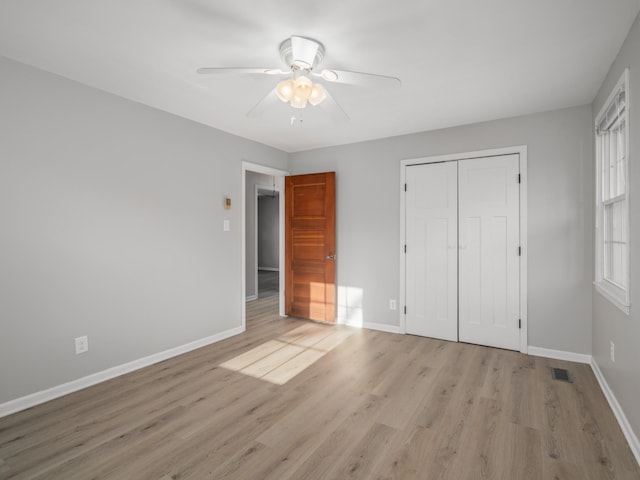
(432, 252)
(489, 238)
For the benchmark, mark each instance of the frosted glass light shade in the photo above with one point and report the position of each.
(284, 90)
(302, 87)
(317, 94)
(297, 102)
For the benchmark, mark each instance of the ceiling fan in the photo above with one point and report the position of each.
(301, 57)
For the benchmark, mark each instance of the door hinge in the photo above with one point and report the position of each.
(405, 187)
(405, 309)
(519, 323)
(519, 251)
(519, 179)
(405, 248)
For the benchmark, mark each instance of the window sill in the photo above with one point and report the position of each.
(612, 297)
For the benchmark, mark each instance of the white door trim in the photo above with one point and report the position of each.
(280, 174)
(521, 150)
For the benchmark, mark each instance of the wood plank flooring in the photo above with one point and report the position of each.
(297, 400)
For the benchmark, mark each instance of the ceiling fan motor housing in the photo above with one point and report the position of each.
(301, 53)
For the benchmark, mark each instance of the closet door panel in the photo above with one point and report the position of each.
(431, 258)
(489, 225)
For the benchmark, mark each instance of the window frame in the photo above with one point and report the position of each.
(614, 292)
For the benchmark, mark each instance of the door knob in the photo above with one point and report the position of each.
(331, 256)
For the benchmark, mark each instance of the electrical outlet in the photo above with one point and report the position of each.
(612, 349)
(82, 344)
(392, 305)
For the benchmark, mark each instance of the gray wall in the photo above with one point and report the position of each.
(609, 323)
(251, 261)
(111, 226)
(268, 231)
(560, 152)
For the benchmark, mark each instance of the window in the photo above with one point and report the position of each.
(612, 196)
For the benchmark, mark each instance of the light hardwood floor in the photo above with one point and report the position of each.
(298, 400)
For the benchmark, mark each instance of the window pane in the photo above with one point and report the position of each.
(615, 246)
(621, 161)
(605, 166)
(611, 163)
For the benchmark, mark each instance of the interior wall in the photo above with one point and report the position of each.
(560, 217)
(251, 261)
(112, 227)
(609, 323)
(268, 232)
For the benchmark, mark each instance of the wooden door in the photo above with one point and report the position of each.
(489, 262)
(310, 289)
(432, 250)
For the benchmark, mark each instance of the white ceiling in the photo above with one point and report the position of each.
(460, 61)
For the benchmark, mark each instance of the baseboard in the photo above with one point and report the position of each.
(269, 269)
(43, 396)
(629, 434)
(559, 354)
(251, 298)
(382, 327)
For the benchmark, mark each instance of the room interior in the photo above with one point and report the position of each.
(117, 158)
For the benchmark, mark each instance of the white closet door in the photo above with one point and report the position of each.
(489, 260)
(431, 258)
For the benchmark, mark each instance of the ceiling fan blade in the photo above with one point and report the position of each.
(333, 108)
(357, 78)
(239, 70)
(303, 51)
(268, 101)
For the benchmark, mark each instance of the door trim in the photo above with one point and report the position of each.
(521, 150)
(280, 174)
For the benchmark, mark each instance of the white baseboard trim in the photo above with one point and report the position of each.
(382, 327)
(251, 298)
(269, 269)
(629, 434)
(560, 354)
(22, 403)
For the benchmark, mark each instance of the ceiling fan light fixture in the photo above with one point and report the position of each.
(284, 90)
(300, 91)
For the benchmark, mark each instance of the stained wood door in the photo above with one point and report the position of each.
(310, 289)
(489, 262)
(432, 250)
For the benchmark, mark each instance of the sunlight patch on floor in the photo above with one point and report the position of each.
(278, 361)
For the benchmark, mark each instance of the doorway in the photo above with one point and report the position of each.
(267, 266)
(463, 238)
(256, 178)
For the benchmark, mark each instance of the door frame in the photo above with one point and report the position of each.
(279, 174)
(521, 150)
